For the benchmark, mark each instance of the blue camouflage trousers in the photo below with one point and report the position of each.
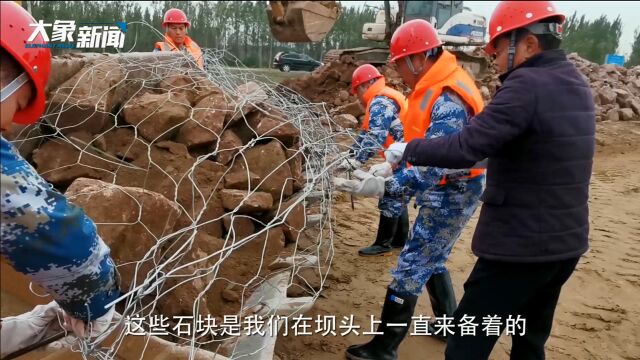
(434, 233)
(393, 206)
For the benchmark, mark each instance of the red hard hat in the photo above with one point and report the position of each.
(413, 37)
(363, 74)
(511, 15)
(36, 61)
(175, 16)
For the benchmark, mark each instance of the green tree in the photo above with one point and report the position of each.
(592, 39)
(239, 27)
(634, 59)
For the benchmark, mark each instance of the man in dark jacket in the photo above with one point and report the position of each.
(538, 136)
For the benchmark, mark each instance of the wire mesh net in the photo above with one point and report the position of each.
(212, 189)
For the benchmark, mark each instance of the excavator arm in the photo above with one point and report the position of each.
(302, 21)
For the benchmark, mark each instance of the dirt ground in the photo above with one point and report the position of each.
(597, 316)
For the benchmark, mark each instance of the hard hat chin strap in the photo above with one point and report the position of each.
(13, 86)
(410, 66)
(427, 54)
(512, 50)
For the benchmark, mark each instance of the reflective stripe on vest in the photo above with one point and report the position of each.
(444, 74)
(192, 48)
(379, 88)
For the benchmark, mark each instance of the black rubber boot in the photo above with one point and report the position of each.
(382, 246)
(402, 231)
(397, 309)
(443, 299)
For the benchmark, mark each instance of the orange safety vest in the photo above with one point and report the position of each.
(190, 45)
(379, 88)
(444, 74)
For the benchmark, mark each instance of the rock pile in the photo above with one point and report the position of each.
(331, 84)
(187, 183)
(615, 89)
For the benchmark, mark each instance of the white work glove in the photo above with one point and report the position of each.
(394, 153)
(365, 184)
(93, 329)
(384, 170)
(20, 331)
(350, 164)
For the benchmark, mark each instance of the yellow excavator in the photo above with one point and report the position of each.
(460, 30)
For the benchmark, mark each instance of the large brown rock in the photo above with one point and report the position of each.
(172, 172)
(189, 85)
(353, 108)
(613, 115)
(66, 66)
(270, 163)
(607, 96)
(346, 121)
(197, 253)
(634, 104)
(174, 148)
(626, 114)
(246, 202)
(123, 143)
(246, 265)
(206, 123)
(622, 97)
(202, 205)
(273, 124)
(157, 116)
(241, 180)
(229, 145)
(129, 220)
(239, 226)
(249, 94)
(294, 216)
(295, 160)
(206, 215)
(61, 162)
(86, 100)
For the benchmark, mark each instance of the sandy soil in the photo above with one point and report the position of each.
(599, 311)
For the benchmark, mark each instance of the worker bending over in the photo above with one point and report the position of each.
(538, 135)
(381, 127)
(42, 234)
(443, 99)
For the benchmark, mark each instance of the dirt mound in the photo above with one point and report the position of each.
(616, 90)
(331, 83)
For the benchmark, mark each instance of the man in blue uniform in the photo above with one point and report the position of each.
(442, 101)
(538, 135)
(382, 126)
(42, 235)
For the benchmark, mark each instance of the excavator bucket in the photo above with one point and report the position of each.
(302, 21)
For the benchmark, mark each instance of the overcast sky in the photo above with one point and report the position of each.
(629, 12)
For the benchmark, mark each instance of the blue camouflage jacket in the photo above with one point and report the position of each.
(448, 116)
(384, 119)
(52, 241)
